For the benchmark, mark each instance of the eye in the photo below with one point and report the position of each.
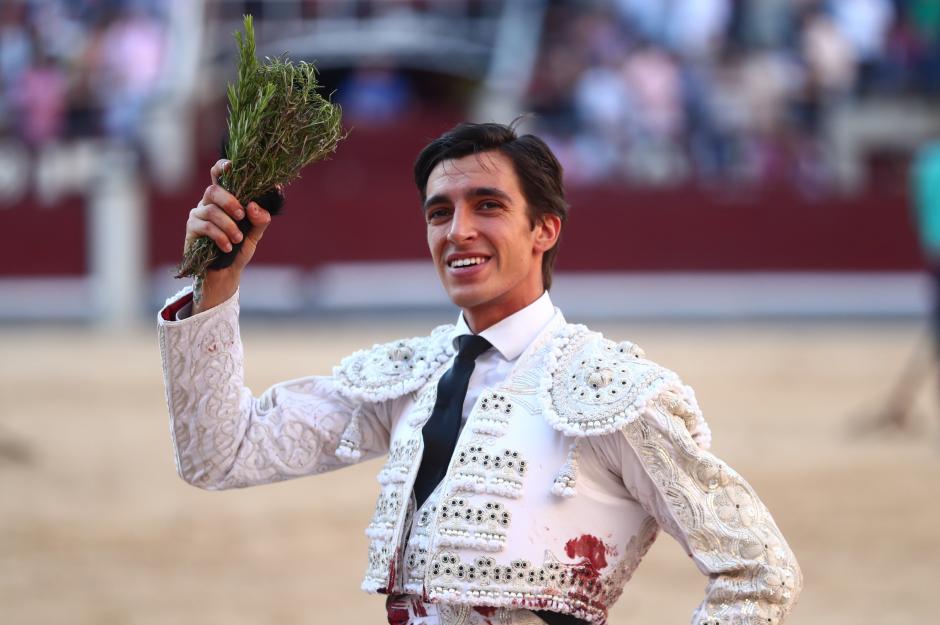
(435, 215)
(489, 205)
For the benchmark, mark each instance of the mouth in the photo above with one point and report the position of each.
(466, 261)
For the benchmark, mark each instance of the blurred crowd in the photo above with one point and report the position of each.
(674, 91)
(651, 92)
(78, 68)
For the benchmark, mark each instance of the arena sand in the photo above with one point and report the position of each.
(97, 529)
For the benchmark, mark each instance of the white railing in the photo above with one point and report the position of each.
(453, 36)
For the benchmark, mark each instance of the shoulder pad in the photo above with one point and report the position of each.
(598, 386)
(390, 370)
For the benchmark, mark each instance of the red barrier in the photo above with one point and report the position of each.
(362, 206)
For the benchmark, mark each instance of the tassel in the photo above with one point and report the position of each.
(565, 480)
(351, 440)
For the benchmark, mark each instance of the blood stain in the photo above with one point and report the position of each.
(589, 547)
(418, 608)
(397, 610)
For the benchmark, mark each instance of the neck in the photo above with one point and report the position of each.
(480, 318)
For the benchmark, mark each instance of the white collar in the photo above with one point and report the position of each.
(513, 334)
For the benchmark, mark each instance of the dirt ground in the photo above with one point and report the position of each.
(97, 529)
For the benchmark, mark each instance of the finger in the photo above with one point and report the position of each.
(217, 217)
(200, 227)
(220, 219)
(221, 166)
(215, 194)
(259, 219)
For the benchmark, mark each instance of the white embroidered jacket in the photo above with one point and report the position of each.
(514, 522)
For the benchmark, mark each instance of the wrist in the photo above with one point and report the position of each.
(212, 289)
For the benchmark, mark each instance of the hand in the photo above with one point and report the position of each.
(215, 217)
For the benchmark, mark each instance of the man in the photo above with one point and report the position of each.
(530, 462)
(925, 199)
(925, 202)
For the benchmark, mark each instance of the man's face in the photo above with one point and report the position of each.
(484, 246)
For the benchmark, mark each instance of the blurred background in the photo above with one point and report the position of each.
(753, 187)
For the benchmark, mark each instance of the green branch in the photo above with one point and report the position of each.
(277, 124)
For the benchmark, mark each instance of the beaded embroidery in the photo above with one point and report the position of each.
(392, 477)
(492, 414)
(476, 527)
(393, 369)
(597, 386)
(575, 589)
(497, 472)
(400, 459)
(387, 507)
(350, 442)
(566, 479)
(380, 558)
(416, 560)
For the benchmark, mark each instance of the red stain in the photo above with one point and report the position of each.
(397, 608)
(589, 547)
(417, 606)
(485, 610)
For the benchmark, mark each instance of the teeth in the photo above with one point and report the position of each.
(466, 262)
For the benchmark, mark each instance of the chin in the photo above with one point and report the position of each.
(463, 300)
(464, 297)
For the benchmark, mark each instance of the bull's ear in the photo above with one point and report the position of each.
(271, 200)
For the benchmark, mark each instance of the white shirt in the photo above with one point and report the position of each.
(509, 338)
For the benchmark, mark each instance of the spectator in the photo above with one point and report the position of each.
(128, 66)
(830, 58)
(925, 23)
(697, 28)
(654, 87)
(865, 24)
(40, 100)
(16, 54)
(74, 68)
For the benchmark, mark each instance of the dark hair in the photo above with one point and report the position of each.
(537, 169)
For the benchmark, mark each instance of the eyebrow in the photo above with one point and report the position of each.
(475, 192)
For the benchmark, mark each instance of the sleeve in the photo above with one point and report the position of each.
(714, 514)
(226, 438)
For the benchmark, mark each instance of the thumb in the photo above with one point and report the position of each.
(259, 219)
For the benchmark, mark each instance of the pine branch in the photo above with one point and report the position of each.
(278, 123)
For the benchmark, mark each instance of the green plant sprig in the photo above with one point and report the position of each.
(277, 124)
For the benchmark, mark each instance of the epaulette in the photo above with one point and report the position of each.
(391, 370)
(598, 386)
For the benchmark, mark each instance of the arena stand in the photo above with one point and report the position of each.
(97, 210)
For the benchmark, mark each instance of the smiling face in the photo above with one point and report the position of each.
(486, 249)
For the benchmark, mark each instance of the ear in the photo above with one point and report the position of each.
(547, 231)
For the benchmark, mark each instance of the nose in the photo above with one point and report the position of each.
(462, 225)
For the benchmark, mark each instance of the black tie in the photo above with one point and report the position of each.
(441, 430)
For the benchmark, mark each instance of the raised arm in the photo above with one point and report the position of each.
(714, 513)
(223, 436)
(226, 438)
